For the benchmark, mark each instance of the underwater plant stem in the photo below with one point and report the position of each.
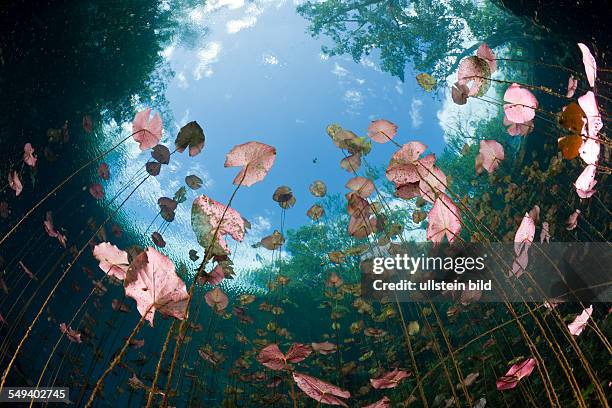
(560, 357)
(561, 67)
(415, 368)
(534, 87)
(59, 186)
(452, 355)
(292, 390)
(438, 352)
(207, 257)
(159, 364)
(56, 286)
(59, 340)
(117, 358)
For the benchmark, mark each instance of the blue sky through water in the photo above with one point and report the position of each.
(259, 75)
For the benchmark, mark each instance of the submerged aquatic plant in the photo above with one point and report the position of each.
(225, 346)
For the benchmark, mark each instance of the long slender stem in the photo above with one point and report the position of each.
(56, 286)
(159, 364)
(59, 186)
(207, 257)
(117, 359)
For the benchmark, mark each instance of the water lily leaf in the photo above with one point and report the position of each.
(193, 181)
(475, 73)
(153, 168)
(426, 81)
(570, 146)
(97, 191)
(321, 391)
(384, 402)
(590, 65)
(167, 207)
(103, 171)
(161, 153)
(324, 348)
(288, 204)
(158, 239)
(257, 159)
(351, 163)
(345, 139)
(214, 277)
(73, 335)
(487, 54)
(318, 188)
(151, 280)
(315, 212)
(390, 379)
(382, 131)
(521, 104)
(491, 154)
(216, 299)
(586, 181)
(282, 194)
(191, 135)
(364, 187)
(572, 84)
(29, 157)
(572, 220)
(460, 93)
(51, 231)
(515, 374)
(180, 195)
(112, 260)
(573, 118)
(209, 216)
(579, 323)
(443, 219)
(147, 131)
(274, 241)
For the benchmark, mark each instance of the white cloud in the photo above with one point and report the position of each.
(269, 59)
(415, 113)
(182, 80)
(368, 62)
(206, 57)
(168, 51)
(353, 97)
(214, 5)
(465, 117)
(245, 256)
(399, 87)
(184, 119)
(248, 20)
(233, 26)
(339, 70)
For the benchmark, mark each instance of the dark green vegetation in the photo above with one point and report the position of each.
(429, 35)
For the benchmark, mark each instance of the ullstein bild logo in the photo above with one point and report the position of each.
(410, 265)
(489, 272)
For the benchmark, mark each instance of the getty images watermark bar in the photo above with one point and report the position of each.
(28, 394)
(489, 272)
